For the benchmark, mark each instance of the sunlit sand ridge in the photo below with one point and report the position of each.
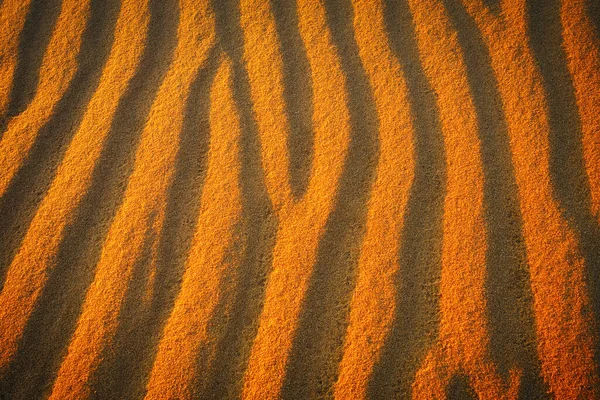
(142, 213)
(463, 338)
(216, 249)
(583, 51)
(561, 303)
(268, 199)
(301, 221)
(12, 19)
(29, 269)
(373, 302)
(58, 68)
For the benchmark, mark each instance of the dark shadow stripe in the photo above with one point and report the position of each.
(416, 321)
(318, 345)
(493, 6)
(218, 325)
(27, 189)
(297, 92)
(460, 388)
(28, 376)
(52, 324)
(33, 41)
(593, 9)
(567, 166)
(508, 290)
(225, 377)
(141, 325)
(108, 382)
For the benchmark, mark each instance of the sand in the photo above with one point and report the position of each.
(299, 199)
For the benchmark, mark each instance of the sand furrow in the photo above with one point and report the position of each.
(267, 199)
(462, 346)
(12, 20)
(29, 269)
(58, 68)
(141, 215)
(583, 52)
(373, 301)
(301, 221)
(561, 299)
(215, 251)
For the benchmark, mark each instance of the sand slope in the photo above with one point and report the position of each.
(299, 199)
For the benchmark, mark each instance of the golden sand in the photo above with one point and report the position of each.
(373, 302)
(301, 221)
(583, 53)
(214, 252)
(463, 341)
(30, 268)
(58, 68)
(12, 20)
(564, 329)
(142, 213)
(257, 330)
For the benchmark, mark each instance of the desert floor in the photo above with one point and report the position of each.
(299, 199)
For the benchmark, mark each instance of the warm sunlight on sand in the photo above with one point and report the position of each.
(266, 199)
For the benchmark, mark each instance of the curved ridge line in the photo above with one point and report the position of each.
(33, 262)
(462, 345)
(213, 253)
(143, 207)
(373, 300)
(561, 300)
(301, 221)
(12, 20)
(58, 69)
(583, 55)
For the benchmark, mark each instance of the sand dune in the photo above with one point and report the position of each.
(299, 199)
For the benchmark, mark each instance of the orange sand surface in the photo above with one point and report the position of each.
(266, 199)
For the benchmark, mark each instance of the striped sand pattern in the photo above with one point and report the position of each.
(214, 253)
(373, 301)
(293, 255)
(142, 213)
(564, 327)
(12, 19)
(463, 342)
(57, 70)
(299, 199)
(30, 266)
(582, 46)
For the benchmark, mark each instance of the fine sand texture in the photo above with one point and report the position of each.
(299, 199)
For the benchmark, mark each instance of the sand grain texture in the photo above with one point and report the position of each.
(268, 199)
